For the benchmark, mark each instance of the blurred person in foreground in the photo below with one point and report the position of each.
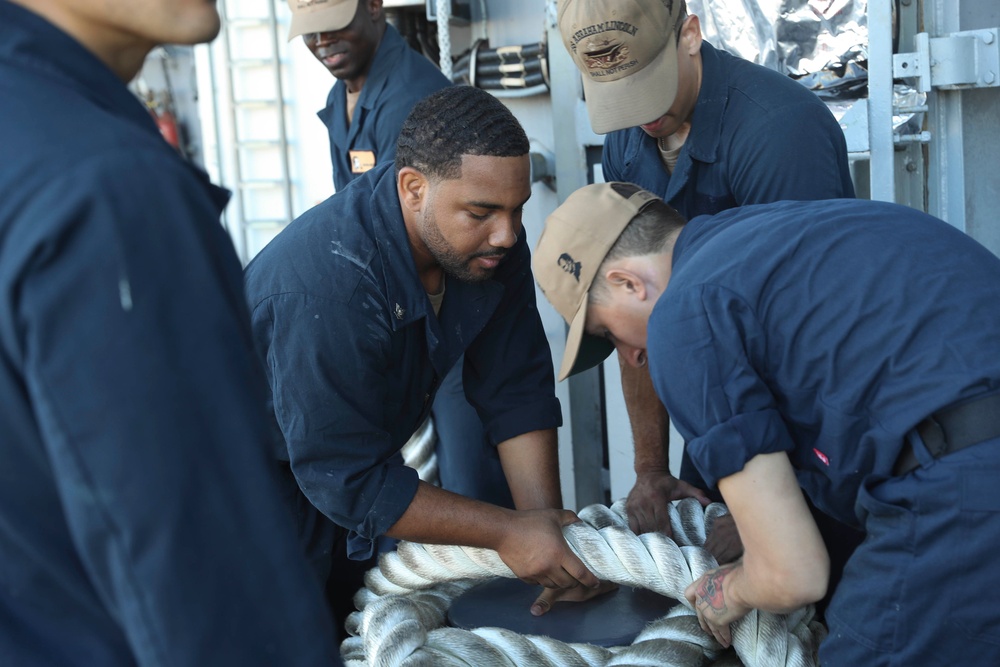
(141, 521)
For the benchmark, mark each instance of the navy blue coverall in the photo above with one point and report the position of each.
(399, 78)
(830, 330)
(140, 517)
(756, 137)
(355, 355)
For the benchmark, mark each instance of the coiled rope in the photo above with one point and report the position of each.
(403, 607)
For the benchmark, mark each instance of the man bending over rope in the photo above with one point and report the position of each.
(850, 348)
(363, 304)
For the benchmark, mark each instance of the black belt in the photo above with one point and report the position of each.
(952, 429)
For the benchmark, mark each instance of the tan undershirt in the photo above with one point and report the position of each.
(670, 146)
(668, 155)
(437, 299)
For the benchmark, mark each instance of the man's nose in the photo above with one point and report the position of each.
(504, 232)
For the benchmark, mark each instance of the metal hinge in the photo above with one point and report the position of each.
(967, 59)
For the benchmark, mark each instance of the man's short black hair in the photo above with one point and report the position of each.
(457, 121)
(648, 233)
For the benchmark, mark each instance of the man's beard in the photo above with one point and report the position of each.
(454, 264)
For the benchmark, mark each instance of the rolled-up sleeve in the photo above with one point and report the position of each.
(704, 346)
(327, 361)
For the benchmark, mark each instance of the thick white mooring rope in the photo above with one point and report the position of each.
(419, 454)
(403, 607)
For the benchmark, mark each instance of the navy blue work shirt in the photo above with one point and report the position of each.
(827, 330)
(355, 354)
(140, 521)
(756, 137)
(399, 78)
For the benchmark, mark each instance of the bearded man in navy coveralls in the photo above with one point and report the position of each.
(364, 303)
(379, 79)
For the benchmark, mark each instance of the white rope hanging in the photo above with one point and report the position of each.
(403, 607)
(418, 452)
(443, 11)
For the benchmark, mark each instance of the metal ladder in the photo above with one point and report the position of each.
(259, 166)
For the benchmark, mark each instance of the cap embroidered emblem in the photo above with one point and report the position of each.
(569, 265)
(604, 53)
(400, 313)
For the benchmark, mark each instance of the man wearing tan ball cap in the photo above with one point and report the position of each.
(798, 346)
(706, 132)
(379, 79)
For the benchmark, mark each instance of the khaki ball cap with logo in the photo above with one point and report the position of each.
(572, 247)
(627, 53)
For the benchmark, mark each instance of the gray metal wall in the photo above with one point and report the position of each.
(980, 139)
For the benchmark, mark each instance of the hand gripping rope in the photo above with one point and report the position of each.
(402, 609)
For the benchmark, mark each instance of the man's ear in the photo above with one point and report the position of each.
(412, 186)
(374, 9)
(691, 35)
(628, 282)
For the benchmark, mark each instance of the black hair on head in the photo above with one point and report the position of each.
(457, 121)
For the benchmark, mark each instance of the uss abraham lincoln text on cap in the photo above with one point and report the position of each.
(569, 253)
(310, 16)
(627, 53)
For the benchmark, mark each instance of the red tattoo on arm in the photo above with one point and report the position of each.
(710, 590)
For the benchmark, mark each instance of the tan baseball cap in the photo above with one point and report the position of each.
(320, 16)
(627, 52)
(574, 243)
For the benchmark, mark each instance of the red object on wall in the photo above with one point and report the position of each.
(167, 123)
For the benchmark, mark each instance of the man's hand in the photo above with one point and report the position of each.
(534, 548)
(714, 602)
(549, 596)
(648, 501)
(724, 541)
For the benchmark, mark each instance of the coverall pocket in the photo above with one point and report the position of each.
(973, 608)
(866, 603)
